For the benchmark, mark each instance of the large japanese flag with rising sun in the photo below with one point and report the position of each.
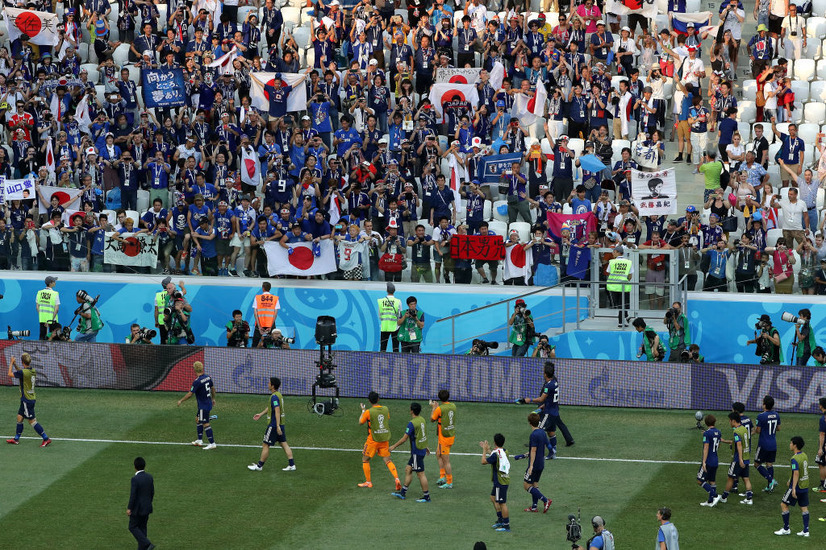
(296, 101)
(299, 259)
(39, 26)
(66, 196)
(445, 91)
(518, 262)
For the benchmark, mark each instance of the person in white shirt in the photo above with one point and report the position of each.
(477, 12)
(694, 69)
(793, 34)
(795, 217)
(732, 18)
(777, 11)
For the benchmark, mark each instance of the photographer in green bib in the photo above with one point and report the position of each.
(90, 322)
(651, 346)
(411, 324)
(819, 356)
(522, 329)
(805, 337)
(47, 303)
(679, 337)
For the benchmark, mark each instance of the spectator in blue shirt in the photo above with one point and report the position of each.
(204, 238)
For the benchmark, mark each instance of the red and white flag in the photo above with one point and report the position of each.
(458, 174)
(528, 109)
(442, 92)
(50, 163)
(250, 167)
(39, 26)
(299, 259)
(335, 210)
(65, 196)
(84, 119)
(518, 262)
(296, 101)
(224, 63)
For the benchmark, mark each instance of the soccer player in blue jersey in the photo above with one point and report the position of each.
(550, 419)
(740, 409)
(768, 422)
(27, 376)
(820, 457)
(415, 432)
(707, 476)
(798, 491)
(498, 459)
(741, 447)
(275, 431)
(537, 443)
(204, 392)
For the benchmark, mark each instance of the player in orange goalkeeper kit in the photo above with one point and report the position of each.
(445, 414)
(377, 418)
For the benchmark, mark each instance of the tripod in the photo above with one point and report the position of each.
(324, 380)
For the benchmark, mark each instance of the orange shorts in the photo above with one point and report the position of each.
(445, 443)
(371, 448)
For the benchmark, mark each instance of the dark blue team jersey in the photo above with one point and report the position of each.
(768, 421)
(551, 392)
(746, 422)
(539, 441)
(712, 436)
(411, 435)
(202, 388)
(275, 401)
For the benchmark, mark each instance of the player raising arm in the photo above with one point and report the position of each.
(275, 431)
(204, 393)
(377, 418)
(498, 459)
(27, 399)
(445, 414)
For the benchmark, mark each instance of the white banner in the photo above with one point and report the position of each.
(645, 155)
(654, 193)
(296, 101)
(457, 76)
(299, 259)
(39, 26)
(17, 189)
(134, 250)
(65, 196)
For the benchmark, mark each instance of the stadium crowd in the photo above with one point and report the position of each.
(375, 157)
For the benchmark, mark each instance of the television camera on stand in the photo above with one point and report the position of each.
(325, 337)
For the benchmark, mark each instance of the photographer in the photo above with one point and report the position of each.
(819, 356)
(238, 331)
(411, 324)
(275, 340)
(89, 323)
(651, 345)
(522, 329)
(59, 333)
(602, 539)
(768, 342)
(805, 337)
(692, 355)
(678, 334)
(139, 335)
(177, 319)
(544, 349)
(482, 348)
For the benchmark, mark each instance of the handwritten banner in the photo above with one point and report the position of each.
(134, 250)
(458, 76)
(163, 88)
(654, 193)
(477, 247)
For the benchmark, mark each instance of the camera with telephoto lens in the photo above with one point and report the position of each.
(791, 318)
(573, 530)
(12, 334)
(687, 356)
(482, 347)
(147, 333)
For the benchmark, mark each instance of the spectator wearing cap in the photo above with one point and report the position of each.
(601, 42)
(761, 49)
(393, 243)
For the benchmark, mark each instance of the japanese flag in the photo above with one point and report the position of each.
(296, 101)
(224, 63)
(528, 109)
(299, 259)
(84, 120)
(39, 26)
(50, 163)
(442, 92)
(250, 168)
(518, 262)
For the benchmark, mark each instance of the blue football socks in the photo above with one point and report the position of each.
(40, 431)
(209, 435)
(19, 431)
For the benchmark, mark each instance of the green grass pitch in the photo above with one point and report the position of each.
(73, 494)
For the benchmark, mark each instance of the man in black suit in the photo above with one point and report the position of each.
(140, 504)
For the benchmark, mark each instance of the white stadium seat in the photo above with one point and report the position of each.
(524, 229)
(801, 90)
(808, 133)
(816, 27)
(821, 69)
(576, 145)
(745, 131)
(749, 88)
(499, 227)
(772, 235)
(804, 69)
(818, 7)
(817, 92)
(301, 35)
(498, 215)
(813, 49)
(815, 113)
(292, 15)
(746, 111)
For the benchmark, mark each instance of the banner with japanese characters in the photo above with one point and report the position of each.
(654, 193)
(163, 88)
(137, 250)
(457, 75)
(16, 189)
(477, 247)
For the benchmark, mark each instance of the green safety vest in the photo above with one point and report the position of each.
(46, 305)
(649, 354)
(810, 339)
(618, 271)
(161, 303)
(409, 331)
(389, 308)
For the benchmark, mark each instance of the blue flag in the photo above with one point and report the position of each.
(163, 88)
(492, 167)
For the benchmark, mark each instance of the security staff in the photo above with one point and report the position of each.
(265, 309)
(161, 303)
(389, 313)
(620, 271)
(411, 323)
(47, 304)
(602, 539)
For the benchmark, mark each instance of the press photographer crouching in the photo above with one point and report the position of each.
(482, 347)
(275, 340)
(411, 324)
(544, 348)
(140, 335)
(767, 340)
(59, 333)
(602, 539)
(692, 355)
(238, 331)
(177, 320)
